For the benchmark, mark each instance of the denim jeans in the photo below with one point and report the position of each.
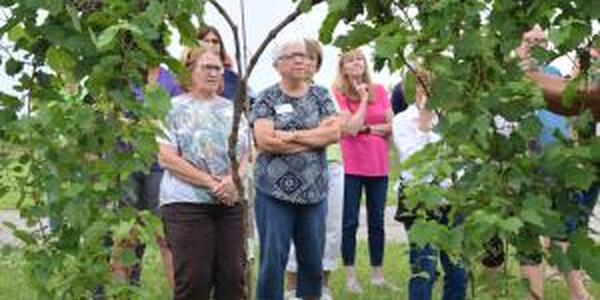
(376, 192)
(424, 260)
(423, 265)
(279, 222)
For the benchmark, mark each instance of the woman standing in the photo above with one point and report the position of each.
(199, 202)
(210, 37)
(365, 155)
(335, 197)
(293, 123)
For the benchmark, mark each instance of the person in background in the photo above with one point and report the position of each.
(412, 131)
(553, 123)
(200, 204)
(210, 37)
(294, 122)
(365, 157)
(398, 102)
(335, 198)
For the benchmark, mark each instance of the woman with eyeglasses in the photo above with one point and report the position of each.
(199, 202)
(365, 157)
(293, 121)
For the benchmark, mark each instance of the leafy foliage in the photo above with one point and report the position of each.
(75, 141)
(500, 186)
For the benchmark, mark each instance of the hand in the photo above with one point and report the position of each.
(379, 129)
(363, 90)
(225, 191)
(531, 38)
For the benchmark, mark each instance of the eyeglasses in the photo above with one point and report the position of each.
(294, 55)
(210, 68)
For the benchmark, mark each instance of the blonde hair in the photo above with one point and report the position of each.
(190, 58)
(342, 82)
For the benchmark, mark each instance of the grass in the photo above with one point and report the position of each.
(14, 286)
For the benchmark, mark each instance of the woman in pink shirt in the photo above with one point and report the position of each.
(365, 156)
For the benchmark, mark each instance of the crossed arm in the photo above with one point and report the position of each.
(288, 142)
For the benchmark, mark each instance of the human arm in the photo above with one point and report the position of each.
(170, 159)
(326, 133)
(588, 94)
(268, 140)
(356, 120)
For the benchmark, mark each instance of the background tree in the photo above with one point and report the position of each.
(500, 186)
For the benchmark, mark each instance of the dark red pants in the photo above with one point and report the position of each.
(207, 242)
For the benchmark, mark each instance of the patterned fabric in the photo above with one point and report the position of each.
(301, 177)
(199, 129)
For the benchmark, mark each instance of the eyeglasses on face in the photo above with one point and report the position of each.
(294, 55)
(207, 68)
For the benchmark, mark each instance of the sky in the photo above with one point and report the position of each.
(259, 21)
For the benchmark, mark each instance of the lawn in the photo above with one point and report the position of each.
(13, 285)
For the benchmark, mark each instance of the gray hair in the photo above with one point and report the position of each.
(281, 44)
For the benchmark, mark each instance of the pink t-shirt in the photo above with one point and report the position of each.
(366, 154)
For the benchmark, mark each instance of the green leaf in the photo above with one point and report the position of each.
(305, 6)
(360, 34)
(157, 100)
(107, 36)
(74, 18)
(155, 12)
(60, 60)
(328, 26)
(13, 67)
(337, 5)
(511, 225)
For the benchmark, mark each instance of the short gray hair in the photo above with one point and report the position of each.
(281, 44)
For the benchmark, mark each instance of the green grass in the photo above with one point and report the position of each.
(14, 286)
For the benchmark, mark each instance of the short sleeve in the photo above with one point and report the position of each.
(169, 129)
(261, 109)
(327, 107)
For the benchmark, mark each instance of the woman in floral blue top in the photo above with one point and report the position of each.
(293, 123)
(199, 202)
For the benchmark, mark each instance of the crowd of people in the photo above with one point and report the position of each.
(317, 151)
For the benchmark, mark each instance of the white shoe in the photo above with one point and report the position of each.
(353, 287)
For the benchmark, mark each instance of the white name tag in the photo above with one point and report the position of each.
(284, 109)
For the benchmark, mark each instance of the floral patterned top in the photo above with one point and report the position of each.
(199, 129)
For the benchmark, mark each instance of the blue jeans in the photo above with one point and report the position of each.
(278, 222)
(585, 202)
(423, 265)
(376, 192)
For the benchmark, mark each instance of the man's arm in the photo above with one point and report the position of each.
(588, 96)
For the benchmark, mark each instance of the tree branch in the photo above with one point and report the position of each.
(273, 34)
